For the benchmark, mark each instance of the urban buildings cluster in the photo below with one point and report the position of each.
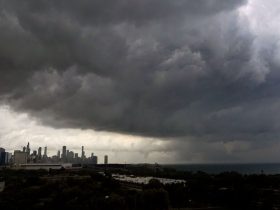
(40, 156)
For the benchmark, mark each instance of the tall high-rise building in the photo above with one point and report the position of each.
(2, 156)
(45, 152)
(106, 159)
(28, 149)
(40, 152)
(63, 156)
(83, 153)
(58, 154)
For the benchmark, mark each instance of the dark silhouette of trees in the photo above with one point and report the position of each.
(87, 189)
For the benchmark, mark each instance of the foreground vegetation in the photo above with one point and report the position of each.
(89, 189)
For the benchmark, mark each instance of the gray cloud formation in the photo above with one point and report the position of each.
(152, 67)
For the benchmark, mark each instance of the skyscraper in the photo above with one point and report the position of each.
(28, 149)
(2, 156)
(58, 154)
(83, 153)
(63, 153)
(40, 152)
(45, 152)
(106, 159)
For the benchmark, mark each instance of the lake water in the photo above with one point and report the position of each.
(249, 168)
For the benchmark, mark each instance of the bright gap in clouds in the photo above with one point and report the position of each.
(263, 18)
(16, 129)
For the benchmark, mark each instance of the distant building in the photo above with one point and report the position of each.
(33, 158)
(64, 153)
(83, 153)
(34, 153)
(20, 157)
(94, 159)
(106, 159)
(58, 154)
(54, 159)
(45, 152)
(28, 149)
(70, 157)
(2, 156)
(8, 157)
(40, 153)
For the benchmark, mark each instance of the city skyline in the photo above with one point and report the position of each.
(53, 152)
(165, 81)
(27, 155)
(62, 151)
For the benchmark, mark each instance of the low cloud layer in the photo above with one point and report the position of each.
(201, 70)
(20, 128)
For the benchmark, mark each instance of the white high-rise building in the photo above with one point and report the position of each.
(20, 157)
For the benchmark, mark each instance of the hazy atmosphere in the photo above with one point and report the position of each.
(167, 81)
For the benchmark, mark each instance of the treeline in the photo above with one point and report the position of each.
(87, 189)
(83, 189)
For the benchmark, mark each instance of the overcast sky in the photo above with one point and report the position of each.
(143, 81)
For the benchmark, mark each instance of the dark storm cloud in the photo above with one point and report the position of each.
(110, 11)
(155, 68)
